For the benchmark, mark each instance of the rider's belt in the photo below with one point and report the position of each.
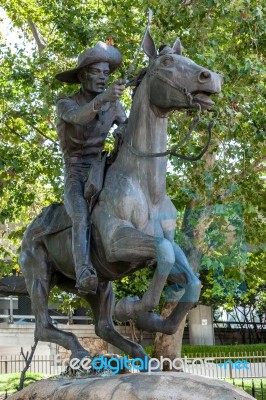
(82, 160)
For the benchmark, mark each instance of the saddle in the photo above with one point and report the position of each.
(53, 219)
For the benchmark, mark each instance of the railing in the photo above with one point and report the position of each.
(11, 319)
(45, 365)
(242, 332)
(212, 367)
(257, 390)
(239, 324)
(218, 367)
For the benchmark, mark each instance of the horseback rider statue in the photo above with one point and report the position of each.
(84, 120)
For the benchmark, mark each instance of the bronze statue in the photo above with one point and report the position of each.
(133, 222)
(84, 121)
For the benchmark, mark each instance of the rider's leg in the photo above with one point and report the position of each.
(85, 272)
(78, 210)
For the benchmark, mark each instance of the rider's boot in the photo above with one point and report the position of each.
(87, 280)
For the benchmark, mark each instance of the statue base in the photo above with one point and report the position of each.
(148, 386)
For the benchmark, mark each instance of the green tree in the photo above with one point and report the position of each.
(218, 197)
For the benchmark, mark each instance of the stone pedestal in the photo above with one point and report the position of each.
(146, 386)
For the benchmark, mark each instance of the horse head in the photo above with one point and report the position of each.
(177, 82)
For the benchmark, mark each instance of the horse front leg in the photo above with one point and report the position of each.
(189, 288)
(129, 244)
(102, 304)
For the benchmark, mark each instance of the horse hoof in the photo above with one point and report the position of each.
(80, 355)
(124, 309)
(79, 362)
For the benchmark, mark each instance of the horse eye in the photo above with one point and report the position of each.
(168, 61)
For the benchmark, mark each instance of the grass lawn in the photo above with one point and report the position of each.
(248, 386)
(9, 382)
(224, 350)
(218, 351)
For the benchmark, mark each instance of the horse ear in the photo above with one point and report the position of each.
(149, 45)
(177, 47)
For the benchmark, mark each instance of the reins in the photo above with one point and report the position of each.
(172, 151)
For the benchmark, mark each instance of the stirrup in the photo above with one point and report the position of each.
(87, 280)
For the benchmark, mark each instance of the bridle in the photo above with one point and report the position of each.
(174, 86)
(189, 100)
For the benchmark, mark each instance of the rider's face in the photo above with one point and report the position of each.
(94, 77)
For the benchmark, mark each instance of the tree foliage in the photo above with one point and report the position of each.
(219, 198)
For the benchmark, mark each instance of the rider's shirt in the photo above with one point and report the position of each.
(81, 129)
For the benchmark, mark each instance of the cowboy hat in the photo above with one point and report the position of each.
(101, 52)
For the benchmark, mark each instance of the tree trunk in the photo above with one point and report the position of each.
(169, 345)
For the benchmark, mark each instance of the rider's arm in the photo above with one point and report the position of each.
(71, 112)
(68, 110)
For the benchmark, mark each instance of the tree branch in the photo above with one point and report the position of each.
(257, 165)
(28, 358)
(17, 134)
(42, 134)
(41, 43)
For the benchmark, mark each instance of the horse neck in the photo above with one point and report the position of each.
(147, 132)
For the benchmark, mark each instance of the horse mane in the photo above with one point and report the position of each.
(136, 80)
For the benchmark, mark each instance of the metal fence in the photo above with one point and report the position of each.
(46, 365)
(21, 319)
(251, 366)
(256, 389)
(247, 366)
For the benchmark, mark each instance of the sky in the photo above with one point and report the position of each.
(13, 37)
(10, 35)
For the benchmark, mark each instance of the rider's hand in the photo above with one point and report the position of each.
(113, 93)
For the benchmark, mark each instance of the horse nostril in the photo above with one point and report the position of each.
(204, 75)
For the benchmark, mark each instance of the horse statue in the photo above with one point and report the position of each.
(133, 221)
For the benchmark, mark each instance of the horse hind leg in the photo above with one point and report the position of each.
(38, 270)
(129, 244)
